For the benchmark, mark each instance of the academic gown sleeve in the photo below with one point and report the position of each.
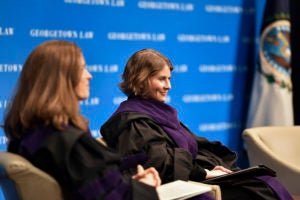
(88, 170)
(213, 153)
(144, 135)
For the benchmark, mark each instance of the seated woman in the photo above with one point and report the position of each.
(43, 124)
(144, 123)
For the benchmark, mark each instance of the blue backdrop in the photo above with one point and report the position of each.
(210, 43)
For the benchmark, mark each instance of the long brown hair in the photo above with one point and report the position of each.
(45, 93)
(139, 68)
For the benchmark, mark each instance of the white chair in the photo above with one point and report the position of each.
(277, 147)
(20, 180)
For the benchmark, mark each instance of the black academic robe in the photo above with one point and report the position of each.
(132, 132)
(84, 167)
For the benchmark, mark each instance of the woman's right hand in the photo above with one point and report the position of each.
(217, 171)
(148, 176)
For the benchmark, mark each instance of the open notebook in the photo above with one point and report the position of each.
(178, 190)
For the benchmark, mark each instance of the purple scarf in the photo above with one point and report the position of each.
(165, 116)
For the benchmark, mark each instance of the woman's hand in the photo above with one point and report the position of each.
(149, 176)
(217, 171)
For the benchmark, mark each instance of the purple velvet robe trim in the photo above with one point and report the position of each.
(33, 140)
(133, 160)
(205, 196)
(165, 116)
(277, 187)
(99, 187)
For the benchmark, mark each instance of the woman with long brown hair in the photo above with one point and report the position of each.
(43, 123)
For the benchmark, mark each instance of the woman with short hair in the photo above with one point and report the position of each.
(145, 124)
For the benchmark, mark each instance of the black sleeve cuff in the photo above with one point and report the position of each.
(143, 191)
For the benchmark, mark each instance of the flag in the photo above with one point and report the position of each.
(295, 60)
(271, 99)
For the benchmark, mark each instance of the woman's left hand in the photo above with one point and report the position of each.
(217, 171)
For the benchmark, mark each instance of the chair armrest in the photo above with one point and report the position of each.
(30, 182)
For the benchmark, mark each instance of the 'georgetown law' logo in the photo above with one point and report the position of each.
(275, 53)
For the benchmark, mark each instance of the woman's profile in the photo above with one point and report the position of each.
(145, 124)
(43, 124)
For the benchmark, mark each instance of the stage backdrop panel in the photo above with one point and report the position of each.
(210, 43)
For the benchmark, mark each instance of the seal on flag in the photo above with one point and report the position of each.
(275, 53)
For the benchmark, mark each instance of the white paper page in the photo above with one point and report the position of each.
(181, 190)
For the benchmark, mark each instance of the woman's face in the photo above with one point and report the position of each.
(159, 84)
(83, 87)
